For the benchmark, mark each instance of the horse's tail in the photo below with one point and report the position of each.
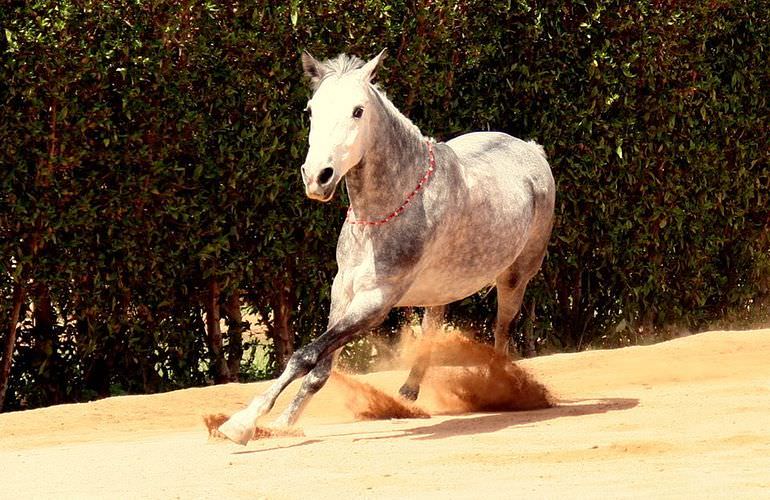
(538, 148)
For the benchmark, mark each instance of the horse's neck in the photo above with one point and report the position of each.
(395, 162)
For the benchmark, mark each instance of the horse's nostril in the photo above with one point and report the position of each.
(325, 176)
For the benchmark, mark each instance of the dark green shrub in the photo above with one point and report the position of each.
(150, 155)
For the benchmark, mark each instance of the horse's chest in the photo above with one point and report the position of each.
(387, 254)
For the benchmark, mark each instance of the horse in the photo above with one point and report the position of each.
(429, 223)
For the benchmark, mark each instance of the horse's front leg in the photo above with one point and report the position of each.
(432, 322)
(365, 311)
(320, 374)
(311, 384)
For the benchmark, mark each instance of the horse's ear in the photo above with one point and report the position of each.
(369, 69)
(313, 69)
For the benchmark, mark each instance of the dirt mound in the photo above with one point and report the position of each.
(464, 376)
(467, 376)
(366, 402)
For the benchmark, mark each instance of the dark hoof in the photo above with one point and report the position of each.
(409, 393)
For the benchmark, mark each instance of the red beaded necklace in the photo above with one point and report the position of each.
(408, 199)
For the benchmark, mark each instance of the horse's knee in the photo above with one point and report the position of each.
(513, 281)
(319, 375)
(301, 362)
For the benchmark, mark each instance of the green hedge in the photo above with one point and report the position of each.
(151, 150)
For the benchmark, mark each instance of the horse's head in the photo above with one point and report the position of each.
(340, 120)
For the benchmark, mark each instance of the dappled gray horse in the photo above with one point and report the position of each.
(429, 223)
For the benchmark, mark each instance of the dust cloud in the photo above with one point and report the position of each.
(213, 421)
(464, 376)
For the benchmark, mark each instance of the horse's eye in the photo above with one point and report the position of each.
(358, 111)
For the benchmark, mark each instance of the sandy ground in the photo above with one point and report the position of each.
(685, 418)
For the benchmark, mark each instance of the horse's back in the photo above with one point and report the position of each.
(513, 157)
(507, 168)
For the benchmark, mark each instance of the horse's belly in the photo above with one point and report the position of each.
(453, 275)
(439, 290)
(468, 256)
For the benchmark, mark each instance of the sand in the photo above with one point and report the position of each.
(685, 418)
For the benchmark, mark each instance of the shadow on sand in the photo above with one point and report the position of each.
(492, 422)
(480, 423)
(261, 450)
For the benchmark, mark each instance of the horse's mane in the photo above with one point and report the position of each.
(394, 112)
(341, 65)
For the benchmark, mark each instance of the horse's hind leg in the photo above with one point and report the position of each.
(510, 294)
(511, 285)
(431, 323)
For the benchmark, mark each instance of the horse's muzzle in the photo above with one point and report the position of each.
(319, 194)
(320, 186)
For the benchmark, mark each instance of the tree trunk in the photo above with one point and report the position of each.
(10, 341)
(44, 314)
(281, 332)
(45, 344)
(219, 369)
(235, 328)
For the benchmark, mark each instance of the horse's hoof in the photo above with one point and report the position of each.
(409, 393)
(237, 432)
